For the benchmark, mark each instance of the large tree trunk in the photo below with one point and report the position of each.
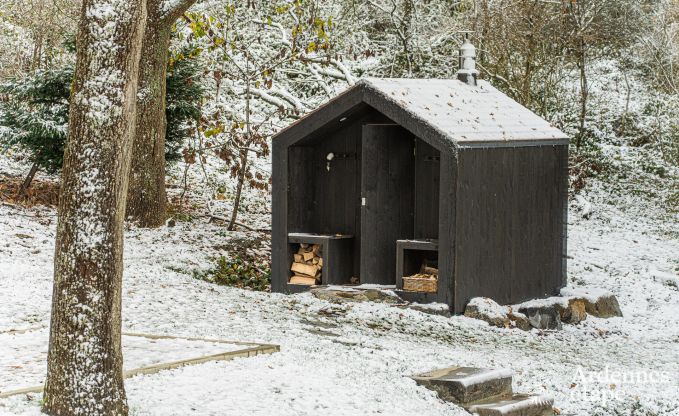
(147, 200)
(84, 364)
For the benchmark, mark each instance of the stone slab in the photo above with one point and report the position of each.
(517, 405)
(463, 385)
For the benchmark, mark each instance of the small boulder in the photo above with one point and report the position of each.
(518, 320)
(543, 316)
(546, 313)
(598, 302)
(488, 310)
(575, 313)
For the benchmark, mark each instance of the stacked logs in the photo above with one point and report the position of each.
(307, 265)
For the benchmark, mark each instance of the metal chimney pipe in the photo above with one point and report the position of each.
(467, 72)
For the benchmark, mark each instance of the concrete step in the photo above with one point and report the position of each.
(464, 385)
(517, 405)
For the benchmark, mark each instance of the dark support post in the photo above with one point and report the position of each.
(279, 223)
(447, 205)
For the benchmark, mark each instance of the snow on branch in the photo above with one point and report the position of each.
(299, 106)
(314, 69)
(265, 96)
(342, 73)
(276, 25)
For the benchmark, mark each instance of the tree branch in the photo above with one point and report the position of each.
(171, 10)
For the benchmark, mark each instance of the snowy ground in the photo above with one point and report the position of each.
(24, 355)
(354, 359)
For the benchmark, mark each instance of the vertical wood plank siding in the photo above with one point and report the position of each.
(427, 183)
(388, 188)
(510, 223)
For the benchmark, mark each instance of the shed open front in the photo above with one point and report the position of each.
(364, 199)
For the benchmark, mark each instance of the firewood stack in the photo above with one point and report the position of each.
(307, 265)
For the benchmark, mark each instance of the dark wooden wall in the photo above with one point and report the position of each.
(511, 223)
(427, 182)
(388, 180)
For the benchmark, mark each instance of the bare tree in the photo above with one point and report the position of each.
(45, 23)
(84, 365)
(146, 197)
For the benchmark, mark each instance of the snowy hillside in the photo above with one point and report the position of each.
(337, 359)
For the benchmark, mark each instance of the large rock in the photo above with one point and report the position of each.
(542, 316)
(518, 320)
(488, 310)
(598, 302)
(356, 295)
(546, 313)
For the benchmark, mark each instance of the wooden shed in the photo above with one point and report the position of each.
(396, 174)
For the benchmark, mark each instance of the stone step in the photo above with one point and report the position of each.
(517, 405)
(464, 385)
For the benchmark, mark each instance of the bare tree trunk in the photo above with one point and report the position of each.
(84, 363)
(243, 157)
(239, 188)
(29, 179)
(147, 200)
(584, 93)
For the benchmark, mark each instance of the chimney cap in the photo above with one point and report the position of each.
(467, 46)
(467, 71)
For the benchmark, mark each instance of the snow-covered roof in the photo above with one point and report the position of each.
(464, 113)
(446, 113)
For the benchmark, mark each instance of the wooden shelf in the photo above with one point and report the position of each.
(419, 244)
(316, 238)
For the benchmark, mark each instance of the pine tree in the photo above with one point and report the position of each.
(35, 117)
(34, 114)
(183, 104)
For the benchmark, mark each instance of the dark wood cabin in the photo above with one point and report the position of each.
(394, 173)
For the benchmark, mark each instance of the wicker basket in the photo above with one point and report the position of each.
(421, 283)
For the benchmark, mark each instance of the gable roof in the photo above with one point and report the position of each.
(447, 111)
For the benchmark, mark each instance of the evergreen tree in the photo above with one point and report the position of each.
(34, 114)
(183, 104)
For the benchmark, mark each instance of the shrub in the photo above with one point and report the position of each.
(34, 113)
(241, 272)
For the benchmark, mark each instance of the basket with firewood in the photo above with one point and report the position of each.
(425, 281)
(307, 265)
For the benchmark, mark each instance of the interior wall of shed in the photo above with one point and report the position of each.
(324, 196)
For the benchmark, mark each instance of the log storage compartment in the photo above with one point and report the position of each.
(319, 259)
(417, 266)
(307, 264)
